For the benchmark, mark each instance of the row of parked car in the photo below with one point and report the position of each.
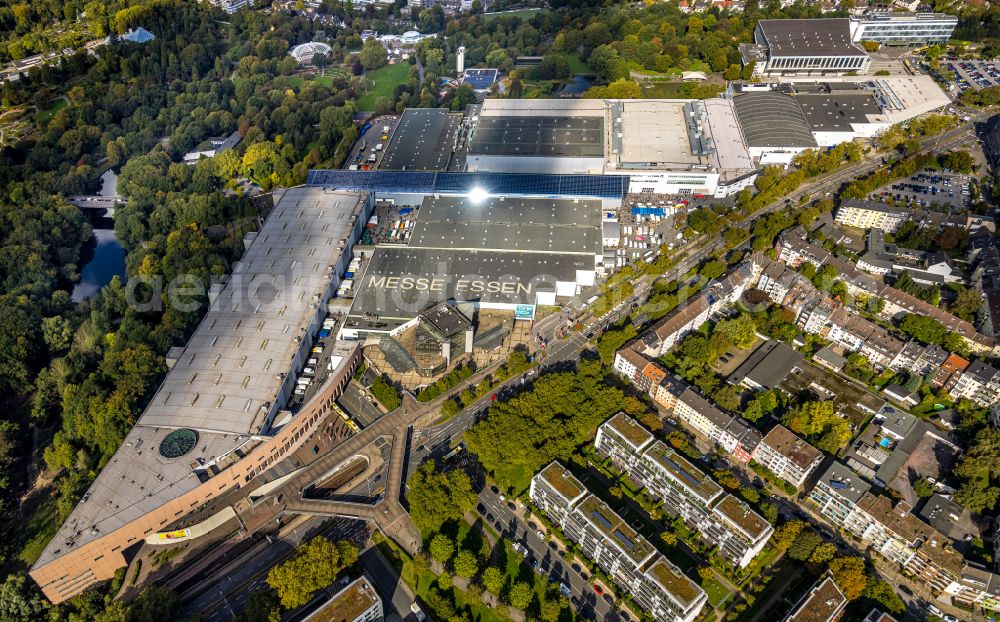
(982, 73)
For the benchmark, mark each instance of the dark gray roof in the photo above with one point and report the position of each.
(574, 137)
(835, 113)
(809, 37)
(772, 120)
(846, 482)
(509, 223)
(830, 357)
(950, 518)
(422, 140)
(768, 365)
(402, 282)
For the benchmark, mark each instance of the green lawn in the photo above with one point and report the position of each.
(384, 81)
(38, 529)
(45, 115)
(524, 14)
(576, 64)
(716, 591)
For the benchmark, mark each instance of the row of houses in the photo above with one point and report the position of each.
(794, 249)
(630, 560)
(818, 314)
(898, 535)
(780, 451)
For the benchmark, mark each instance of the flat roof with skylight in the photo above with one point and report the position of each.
(220, 396)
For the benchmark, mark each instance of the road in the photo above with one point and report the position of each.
(388, 583)
(552, 560)
(228, 595)
(354, 401)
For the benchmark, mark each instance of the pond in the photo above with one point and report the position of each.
(108, 260)
(109, 256)
(577, 84)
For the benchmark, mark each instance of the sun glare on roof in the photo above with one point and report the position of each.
(478, 195)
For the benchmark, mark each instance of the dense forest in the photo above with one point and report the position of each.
(74, 376)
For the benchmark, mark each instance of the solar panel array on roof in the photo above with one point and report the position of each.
(480, 79)
(415, 182)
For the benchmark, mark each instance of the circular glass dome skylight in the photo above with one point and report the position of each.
(178, 443)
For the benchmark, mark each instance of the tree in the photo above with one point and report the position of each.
(923, 487)
(520, 595)
(262, 606)
(373, 55)
(728, 398)
(314, 567)
(823, 553)
(742, 330)
(442, 548)
(550, 610)
(437, 497)
(57, 333)
(821, 426)
(18, 339)
(849, 574)
(18, 601)
(880, 592)
(804, 545)
(466, 564)
(785, 534)
(712, 269)
(494, 580)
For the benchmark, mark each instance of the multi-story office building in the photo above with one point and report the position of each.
(686, 491)
(903, 28)
(657, 586)
(358, 602)
(870, 215)
(787, 456)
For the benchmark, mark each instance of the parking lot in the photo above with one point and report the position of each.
(974, 74)
(366, 153)
(929, 188)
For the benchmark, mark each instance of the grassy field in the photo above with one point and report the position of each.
(47, 113)
(577, 65)
(384, 82)
(522, 13)
(39, 527)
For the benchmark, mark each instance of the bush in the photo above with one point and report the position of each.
(385, 393)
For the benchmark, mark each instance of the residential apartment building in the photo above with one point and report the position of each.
(870, 215)
(701, 415)
(787, 456)
(633, 564)
(980, 382)
(358, 602)
(686, 491)
(666, 333)
(844, 498)
(823, 603)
